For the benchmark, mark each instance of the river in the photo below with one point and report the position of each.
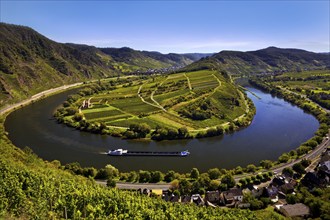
(277, 127)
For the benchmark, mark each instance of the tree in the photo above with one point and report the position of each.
(144, 176)
(170, 176)
(89, 172)
(243, 182)
(182, 132)
(238, 170)
(251, 168)
(214, 185)
(132, 176)
(111, 183)
(299, 168)
(113, 170)
(266, 164)
(174, 185)
(184, 187)
(229, 180)
(305, 162)
(303, 150)
(156, 177)
(204, 180)
(194, 173)
(284, 158)
(214, 173)
(255, 204)
(288, 171)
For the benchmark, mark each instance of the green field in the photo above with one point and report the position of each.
(313, 84)
(195, 100)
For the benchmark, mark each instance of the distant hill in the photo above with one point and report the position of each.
(132, 60)
(271, 59)
(31, 63)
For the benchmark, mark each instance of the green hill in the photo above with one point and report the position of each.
(267, 60)
(31, 63)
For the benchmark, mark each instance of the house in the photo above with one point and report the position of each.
(311, 180)
(197, 199)
(325, 167)
(287, 188)
(272, 193)
(232, 195)
(170, 197)
(186, 199)
(254, 190)
(278, 180)
(156, 192)
(144, 191)
(296, 210)
(242, 205)
(212, 197)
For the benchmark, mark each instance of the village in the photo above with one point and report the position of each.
(276, 191)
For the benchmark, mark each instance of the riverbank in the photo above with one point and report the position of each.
(228, 151)
(36, 97)
(160, 109)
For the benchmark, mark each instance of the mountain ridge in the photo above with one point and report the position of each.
(270, 59)
(31, 62)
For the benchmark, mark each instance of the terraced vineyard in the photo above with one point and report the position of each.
(196, 101)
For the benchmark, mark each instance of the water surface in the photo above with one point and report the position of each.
(277, 127)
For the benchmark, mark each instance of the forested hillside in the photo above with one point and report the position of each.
(267, 60)
(31, 63)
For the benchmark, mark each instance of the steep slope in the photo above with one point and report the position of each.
(271, 59)
(30, 63)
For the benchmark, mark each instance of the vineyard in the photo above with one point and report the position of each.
(196, 101)
(31, 188)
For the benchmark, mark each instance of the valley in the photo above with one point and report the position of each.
(166, 102)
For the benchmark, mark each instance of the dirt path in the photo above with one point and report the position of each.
(188, 80)
(36, 97)
(149, 103)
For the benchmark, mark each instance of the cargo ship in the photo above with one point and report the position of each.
(122, 152)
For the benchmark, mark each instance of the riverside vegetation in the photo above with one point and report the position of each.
(31, 188)
(176, 106)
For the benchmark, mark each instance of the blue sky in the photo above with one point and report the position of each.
(178, 26)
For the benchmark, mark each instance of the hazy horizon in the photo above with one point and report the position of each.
(178, 27)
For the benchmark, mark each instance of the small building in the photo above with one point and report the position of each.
(311, 180)
(170, 197)
(197, 199)
(186, 199)
(272, 193)
(212, 197)
(232, 195)
(157, 192)
(279, 180)
(254, 190)
(295, 210)
(287, 188)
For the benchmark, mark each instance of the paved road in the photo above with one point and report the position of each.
(310, 156)
(136, 186)
(305, 96)
(35, 97)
